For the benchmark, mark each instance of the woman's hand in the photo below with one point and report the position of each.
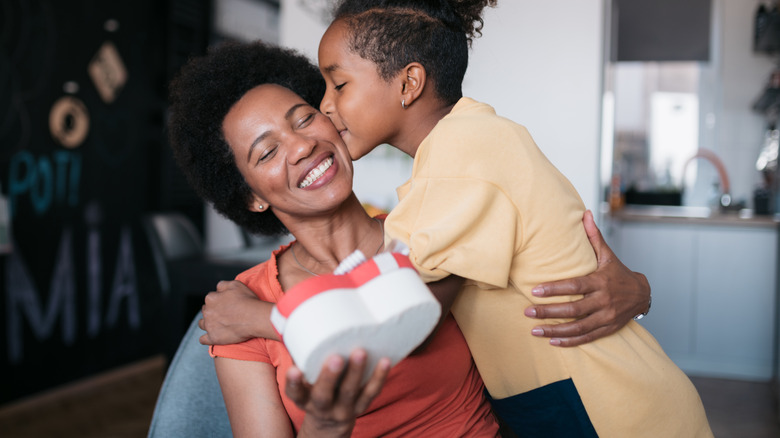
(613, 295)
(233, 314)
(335, 400)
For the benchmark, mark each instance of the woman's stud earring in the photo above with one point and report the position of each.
(259, 206)
(403, 103)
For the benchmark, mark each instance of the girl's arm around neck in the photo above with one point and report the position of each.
(233, 314)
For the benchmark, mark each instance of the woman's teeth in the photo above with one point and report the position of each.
(316, 173)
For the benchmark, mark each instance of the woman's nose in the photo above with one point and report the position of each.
(302, 147)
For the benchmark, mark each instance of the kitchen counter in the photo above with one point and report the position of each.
(694, 216)
(714, 281)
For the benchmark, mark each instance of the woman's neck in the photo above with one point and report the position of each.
(323, 242)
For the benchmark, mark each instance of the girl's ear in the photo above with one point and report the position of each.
(413, 81)
(257, 204)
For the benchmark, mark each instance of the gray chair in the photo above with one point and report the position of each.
(190, 403)
(185, 271)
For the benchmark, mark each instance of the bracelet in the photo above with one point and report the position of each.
(642, 315)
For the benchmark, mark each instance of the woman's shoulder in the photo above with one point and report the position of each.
(263, 278)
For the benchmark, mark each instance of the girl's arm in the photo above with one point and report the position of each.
(613, 295)
(234, 314)
(252, 399)
(445, 291)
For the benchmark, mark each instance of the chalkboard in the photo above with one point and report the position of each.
(82, 109)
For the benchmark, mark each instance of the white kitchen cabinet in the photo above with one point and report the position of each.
(714, 292)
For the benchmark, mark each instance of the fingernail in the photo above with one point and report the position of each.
(538, 291)
(358, 357)
(384, 363)
(530, 312)
(537, 332)
(335, 364)
(555, 341)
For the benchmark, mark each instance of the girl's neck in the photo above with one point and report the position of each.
(421, 118)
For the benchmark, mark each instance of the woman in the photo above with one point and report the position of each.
(271, 162)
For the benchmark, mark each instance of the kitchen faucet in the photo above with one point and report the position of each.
(725, 187)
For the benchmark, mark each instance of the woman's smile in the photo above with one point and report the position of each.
(317, 173)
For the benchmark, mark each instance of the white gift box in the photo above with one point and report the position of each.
(381, 306)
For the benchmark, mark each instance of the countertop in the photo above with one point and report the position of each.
(693, 216)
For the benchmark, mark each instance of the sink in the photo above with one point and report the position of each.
(653, 197)
(676, 211)
(667, 211)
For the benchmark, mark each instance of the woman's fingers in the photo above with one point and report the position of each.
(324, 390)
(373, 386)
(339, 393)
(295, 387)
(353, 378)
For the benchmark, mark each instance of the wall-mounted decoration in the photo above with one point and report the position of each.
(108, 72)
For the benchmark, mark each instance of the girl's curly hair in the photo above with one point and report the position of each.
(200, 97)
(435, 33)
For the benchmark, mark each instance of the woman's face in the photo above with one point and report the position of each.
(289, 153)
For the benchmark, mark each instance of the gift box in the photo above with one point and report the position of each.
(381, 305)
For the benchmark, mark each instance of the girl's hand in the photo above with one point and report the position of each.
(335, 400)
(613, 295)
(233, 314)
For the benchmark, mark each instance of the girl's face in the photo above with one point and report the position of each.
(288, 152)
(361, 104)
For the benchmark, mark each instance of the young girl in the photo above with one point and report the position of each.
(485, 204)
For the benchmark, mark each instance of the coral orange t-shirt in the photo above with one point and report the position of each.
(436, 393)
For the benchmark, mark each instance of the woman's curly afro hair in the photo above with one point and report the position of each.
(200, 98)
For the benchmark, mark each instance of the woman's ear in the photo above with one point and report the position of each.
(257, 204)
(413, 81)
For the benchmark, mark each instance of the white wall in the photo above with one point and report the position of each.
(538, 63)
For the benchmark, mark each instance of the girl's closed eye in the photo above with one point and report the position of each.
(340, 86)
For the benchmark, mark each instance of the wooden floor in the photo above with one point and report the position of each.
(119, 404)
(116, 404)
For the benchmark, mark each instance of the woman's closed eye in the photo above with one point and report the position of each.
(306, 120)
(267, 153)
(340, 86)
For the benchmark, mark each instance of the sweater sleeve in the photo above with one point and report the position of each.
(253, 350)
(461, 226)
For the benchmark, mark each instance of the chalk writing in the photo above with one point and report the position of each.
(43, 182)
(23, 300)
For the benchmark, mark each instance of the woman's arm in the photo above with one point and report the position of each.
(252, 399)
(233, 314)
(613, 295)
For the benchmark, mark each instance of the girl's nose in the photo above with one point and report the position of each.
(326, 106)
